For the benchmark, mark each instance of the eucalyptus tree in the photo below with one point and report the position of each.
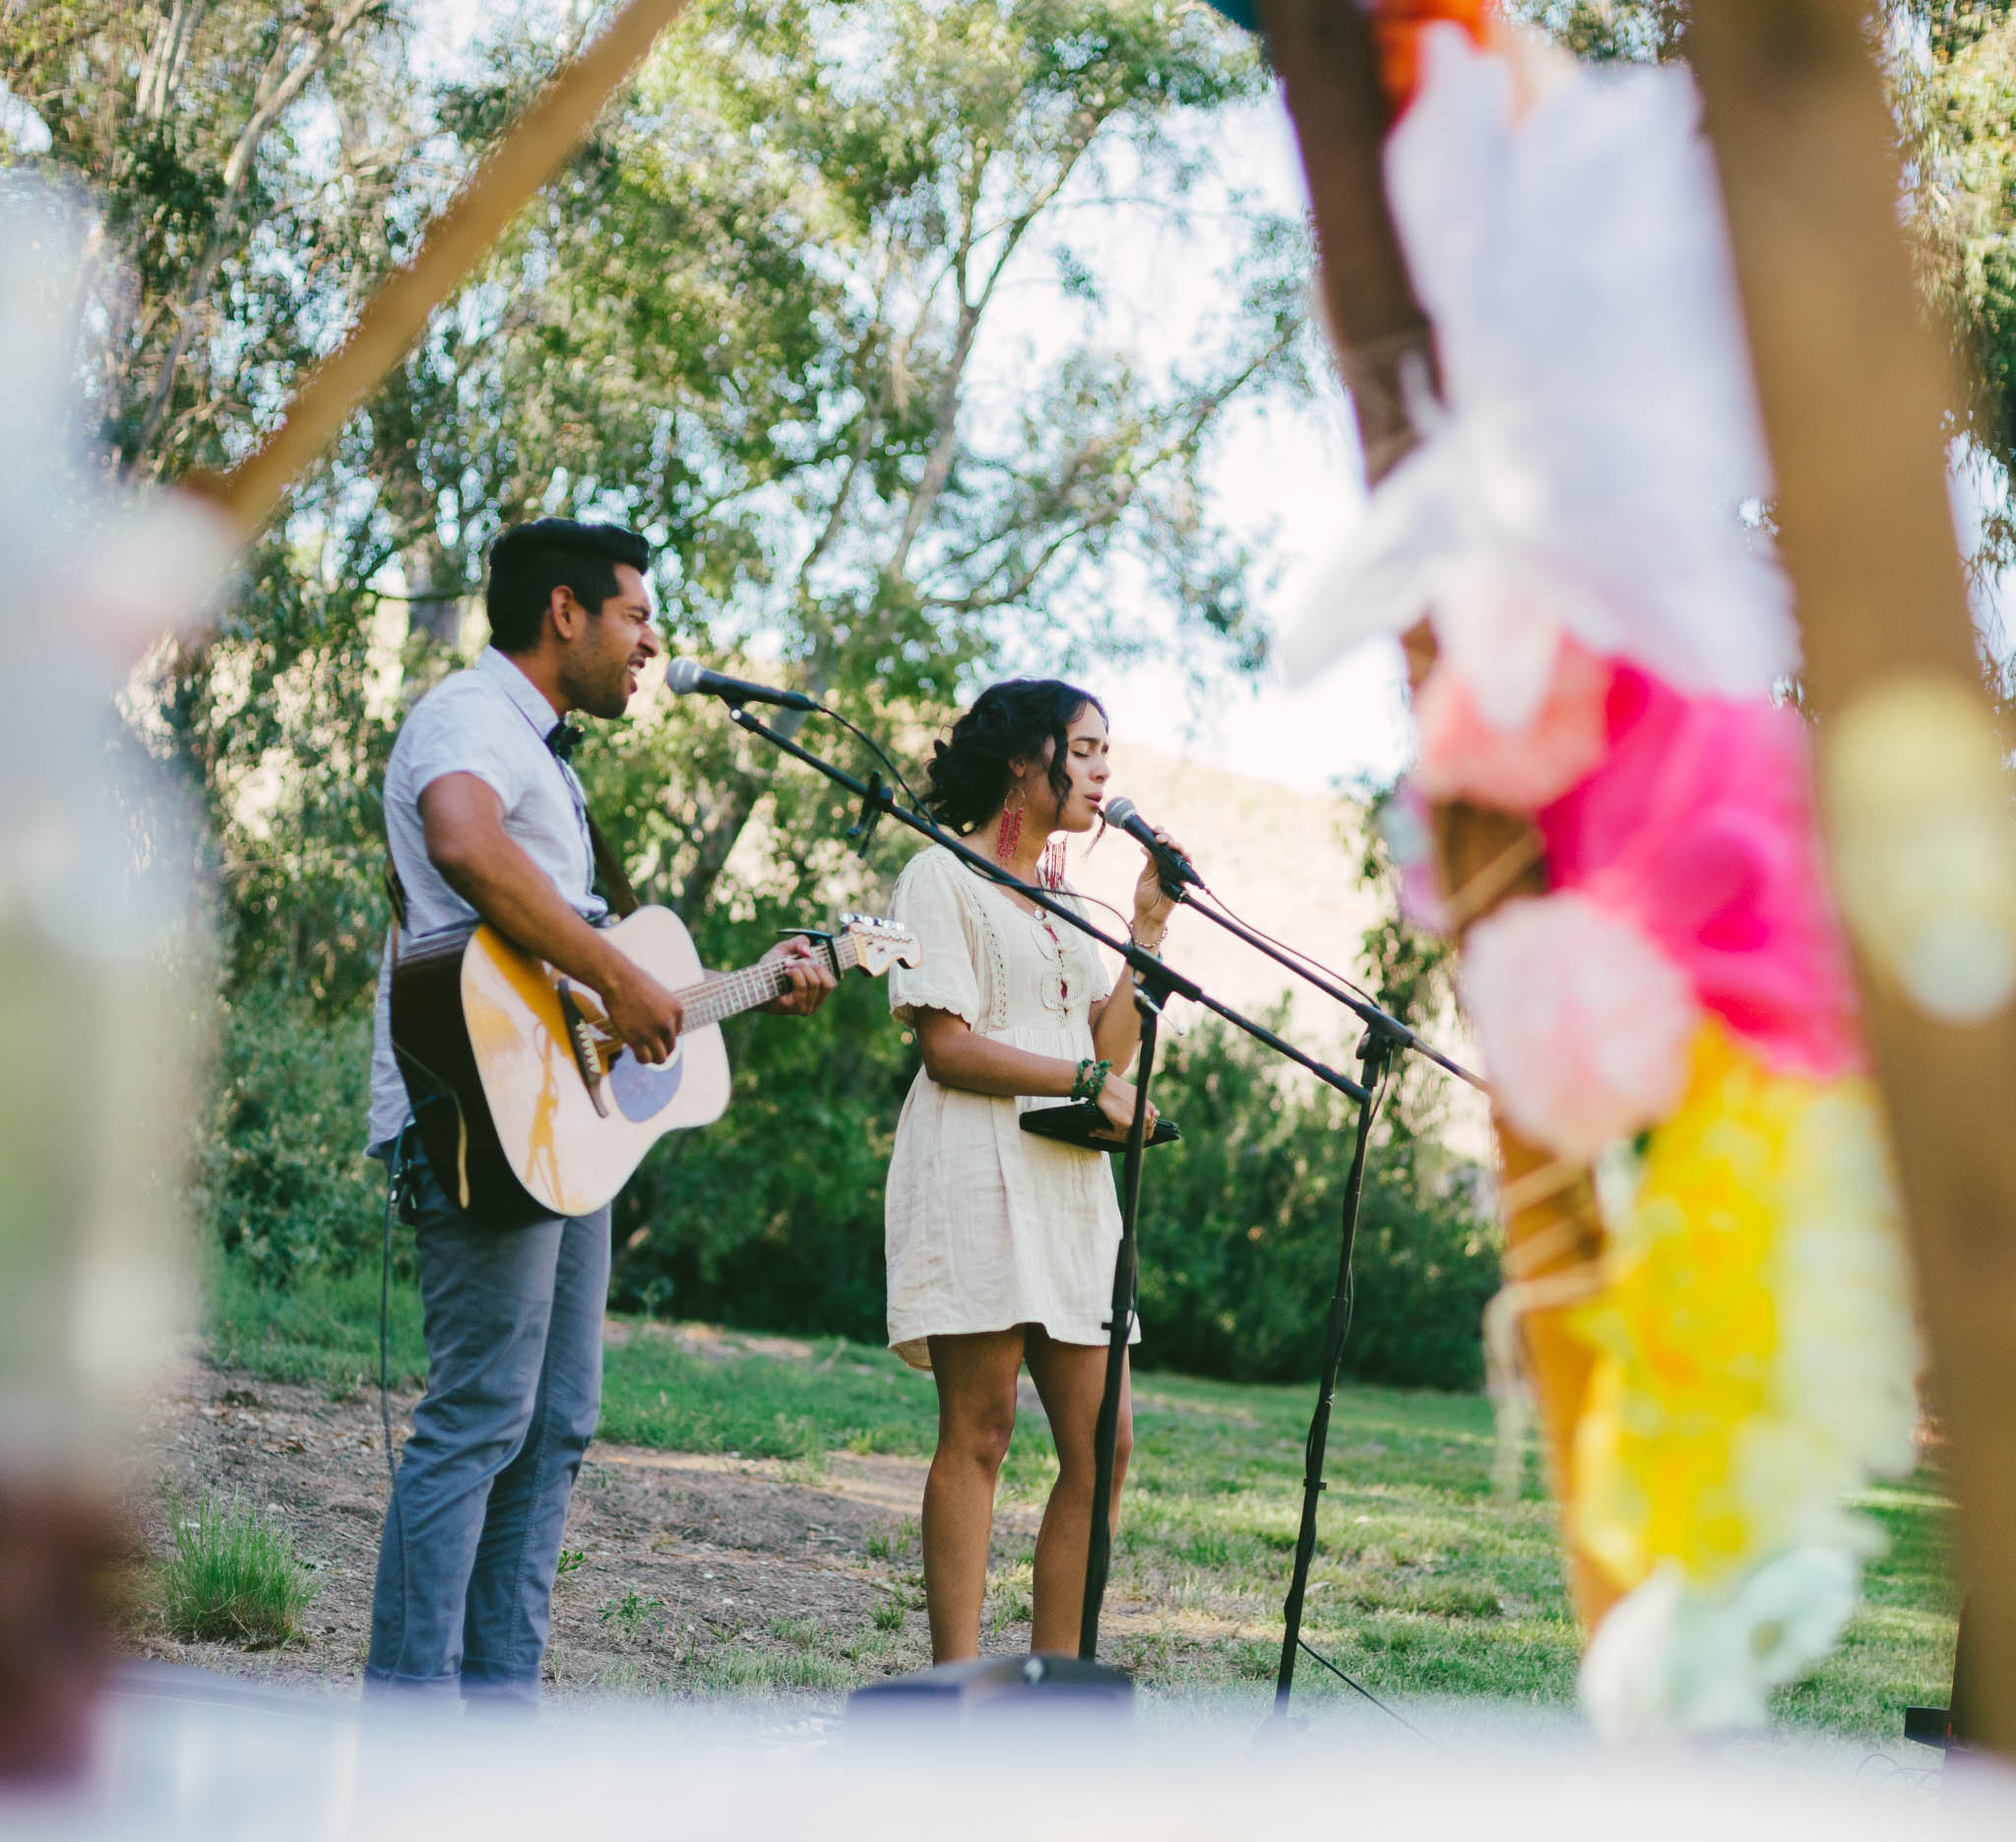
(759, 315)
(757, 321)
(754, 318)
(249, 167)
(1955, 78)
(254, 164)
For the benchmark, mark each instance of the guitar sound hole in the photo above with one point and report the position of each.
(642, 1092)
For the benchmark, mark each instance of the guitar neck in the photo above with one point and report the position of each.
(730, 993)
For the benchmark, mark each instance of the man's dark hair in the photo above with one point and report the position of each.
(1011, 721)
(528, 562)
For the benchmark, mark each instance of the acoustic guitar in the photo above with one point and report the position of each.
(527, 1101)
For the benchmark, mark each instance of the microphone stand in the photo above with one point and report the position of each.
(1385, 1039)
(1395, 1034)
(1154, 983)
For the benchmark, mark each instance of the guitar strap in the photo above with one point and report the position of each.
(615, 885)
(608, 866)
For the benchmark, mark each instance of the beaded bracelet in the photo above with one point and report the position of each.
(1092, 1079)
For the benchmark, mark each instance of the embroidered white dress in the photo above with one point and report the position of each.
(987, 1226)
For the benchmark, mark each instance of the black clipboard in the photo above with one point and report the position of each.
(1081, 1123)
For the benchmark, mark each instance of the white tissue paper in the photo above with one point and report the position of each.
(1599, 432)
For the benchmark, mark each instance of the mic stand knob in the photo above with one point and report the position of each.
(862, 833)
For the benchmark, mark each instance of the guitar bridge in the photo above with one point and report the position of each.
(582, 1040)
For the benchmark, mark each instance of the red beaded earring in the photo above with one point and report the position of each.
(1051, 871)
(1010, 834)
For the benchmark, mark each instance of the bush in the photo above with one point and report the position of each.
(1240, 1227)
(233, 1577)
(771, 1219)
(281, 1175)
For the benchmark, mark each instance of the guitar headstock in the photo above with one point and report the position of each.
(875, 944)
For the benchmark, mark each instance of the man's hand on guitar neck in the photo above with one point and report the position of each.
(810, 968)
(483, 863)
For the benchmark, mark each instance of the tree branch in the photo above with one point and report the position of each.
(162, 70)
(279, 85)
(938, 467)
(1201, 413)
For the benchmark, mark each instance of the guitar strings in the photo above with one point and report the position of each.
(715, 999)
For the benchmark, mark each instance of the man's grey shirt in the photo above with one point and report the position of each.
(491, 721)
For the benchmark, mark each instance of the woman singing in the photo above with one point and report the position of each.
(1001, 1244)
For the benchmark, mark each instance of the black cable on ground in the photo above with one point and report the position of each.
(395, 1182)
(1353, 1682)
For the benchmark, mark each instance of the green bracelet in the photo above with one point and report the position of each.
(1092, 1079)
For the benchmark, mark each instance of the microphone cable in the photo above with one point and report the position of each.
(882, 754)
(1308, 960)
(1420, 1043)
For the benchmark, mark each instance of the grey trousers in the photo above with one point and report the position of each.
(513, 1319)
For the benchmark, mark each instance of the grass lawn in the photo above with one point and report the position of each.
(1424, 1583)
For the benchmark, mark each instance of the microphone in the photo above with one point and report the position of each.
(686, 676)
(1176, 868)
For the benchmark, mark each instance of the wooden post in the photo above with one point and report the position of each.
(1854, 385)
(523, 160)
(1328, 63)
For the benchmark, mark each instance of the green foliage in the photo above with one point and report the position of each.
(281, 1175)
(232, 1577)
(1241, 1226)
(750, 318)
(772, 1218)
(209, 133)
(659, 1391)
(632, 1613)
(1958, 103)
(1638, 30)
(319, 1327)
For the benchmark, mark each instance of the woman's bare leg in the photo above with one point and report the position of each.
(1070, 1378)
(976, 1377)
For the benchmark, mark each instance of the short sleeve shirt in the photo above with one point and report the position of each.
(491, 721)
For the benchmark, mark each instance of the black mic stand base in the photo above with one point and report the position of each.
(991, 1688)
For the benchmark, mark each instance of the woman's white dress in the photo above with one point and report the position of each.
(987, 1226)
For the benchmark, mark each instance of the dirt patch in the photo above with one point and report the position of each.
(682, 1573)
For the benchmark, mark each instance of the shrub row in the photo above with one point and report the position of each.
(771, 1219)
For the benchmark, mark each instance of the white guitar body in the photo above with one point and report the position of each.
(566, 1151)
(527, 1101)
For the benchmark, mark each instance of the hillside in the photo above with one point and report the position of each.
(1284, 863)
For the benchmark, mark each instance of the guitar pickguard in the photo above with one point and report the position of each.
(642, 1091)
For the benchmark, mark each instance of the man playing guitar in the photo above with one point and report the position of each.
(486, 821)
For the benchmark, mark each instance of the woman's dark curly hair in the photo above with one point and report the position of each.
(1009, 722)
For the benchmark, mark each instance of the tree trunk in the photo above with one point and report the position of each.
(1854, 390)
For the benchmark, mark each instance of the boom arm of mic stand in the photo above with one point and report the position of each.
(876, 799)
(1388, 1026)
